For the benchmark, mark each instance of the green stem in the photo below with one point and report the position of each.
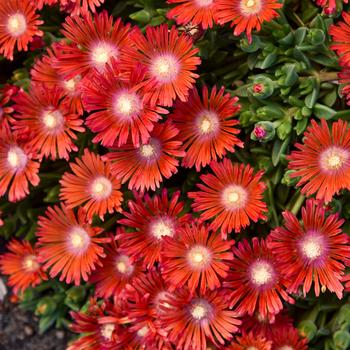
(345, 115)
(327, 76)
(272, 204)
(297, 204)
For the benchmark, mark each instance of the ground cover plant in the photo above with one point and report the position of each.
(176, 174)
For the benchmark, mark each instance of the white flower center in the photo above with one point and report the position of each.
(165, 68)
(143, 331)
(200, 309)
(127, 104)
(252, 348)
(199, 256)
(53, 120)
(78, 240)
(204, 3)
(208, 122)
(333, 158)
(234, 197)
(151, 150)
(312, 247)
(285, 347)
(16, 158)
(161, 227)
(101, 54)
(30, 263)
(250, 7)
(16, 24)
(123, 265)
(107, 330)
(261, 273)
(101, 188)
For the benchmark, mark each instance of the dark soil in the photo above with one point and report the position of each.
(19, 331)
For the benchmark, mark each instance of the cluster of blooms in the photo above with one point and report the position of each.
(167, 278)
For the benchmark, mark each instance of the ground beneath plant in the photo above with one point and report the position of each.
(19, 331)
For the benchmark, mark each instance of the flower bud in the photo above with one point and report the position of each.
(76, 294)
(307, 329)
(263, 87)
(263, 131)
(45, 306)
(341, 339)
(252, 46)
(316, 36)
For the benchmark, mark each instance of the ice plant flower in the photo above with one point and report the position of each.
(246, 15)
(170, 61)
(44, 115)
(18, 25)
(151, 219)
(286, 338)
(44, 72)
(323, 160)
(68, 245)
(314, 251)
(255, 280)
(21, 264)
(196, 257)
(192, 319)
(91, 186)
(116, 271)
(119, 108)
(232, 196)
(340, 34)
(250, 341)
(98, 39)
(18, 167)
(206, 126)
(197, 12)
(146, 166)
(6, 94)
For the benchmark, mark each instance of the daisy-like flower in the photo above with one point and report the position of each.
(151, 220)
(329, 6)
(206, 126)
(21, 264)
(198, 12)
(192, 319)
(68, 245)
(323, 160)
(92, 186)
(77, 7)
(232, 196)
(246, 15)
(197, 257)
(120, 108)
(44, 72)
(116, 271)
(6, 94)
(255, 280)
(146, 166)
(44, 114)
(314, 251)
(250, 341)
(18, 166)
(18, 25)
(170, 61)
(286, 338)
(97, 41)
(340, 34)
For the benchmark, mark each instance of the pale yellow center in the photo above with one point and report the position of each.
(147, 150)
(30, 263)
(161, 228)
(52, 119)
(199, 256)
(16, 158)
(142, 331)
(101, 188)
(70, 85)
(204, 3)
(107, 330)
(16, 24)
(333, 158)
(124, 265)
(250, 7)
(207, 122)
(79, 240)
(101, 54)
(252, 348)
(261, 273)
(312, 248)
(285, 347)
(165, 68)
(199, 311)
(127, 104)
(234, 197)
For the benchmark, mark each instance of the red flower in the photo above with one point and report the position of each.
(340, 34)
(76, 7)
(287, 338)
(117, 270)
(323, 161)
(255, 280)
(192, 319)
(120, 108)
(169, 59)
(97, 41)
(251, 341)
(344, 78)
(151, 220)
(233, 196)
(19, 24)
(22, 266)
(68, 245)
(92, 185)
(246, 15)
(17, 167)
(206, 126)
(45, 116)
(198, 12)
(314, 251)
(196, 257)
(145, 166)
(329, 6)
(6, 93)
(44, 72)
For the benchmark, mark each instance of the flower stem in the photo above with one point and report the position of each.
(297, 204)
